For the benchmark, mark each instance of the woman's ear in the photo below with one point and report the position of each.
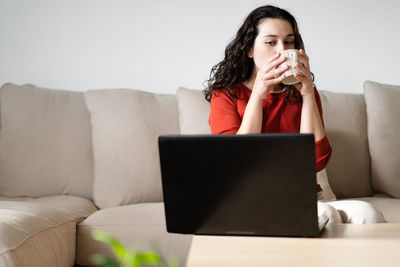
(250, 53)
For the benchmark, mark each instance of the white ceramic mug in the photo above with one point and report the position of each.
(291, 60)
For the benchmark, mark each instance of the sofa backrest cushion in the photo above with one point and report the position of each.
(45, 143)
(194, 111)
(126, 125)
(345, 122)
(346, 127)
(383, 109)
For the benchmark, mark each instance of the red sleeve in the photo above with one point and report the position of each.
(323, 149)
(323, 153)
(224, 117)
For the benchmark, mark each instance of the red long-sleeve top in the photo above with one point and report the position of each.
(279, 116)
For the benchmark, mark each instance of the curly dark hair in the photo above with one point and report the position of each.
(237, 67)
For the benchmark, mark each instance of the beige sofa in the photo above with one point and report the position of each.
(71, 162)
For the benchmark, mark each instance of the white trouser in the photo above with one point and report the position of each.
(350, 211)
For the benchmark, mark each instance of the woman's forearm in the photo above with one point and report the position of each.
(252, 118)
(310, 118)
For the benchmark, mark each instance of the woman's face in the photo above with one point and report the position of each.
(274, 35)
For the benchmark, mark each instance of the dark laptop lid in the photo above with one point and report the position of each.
(262, 184)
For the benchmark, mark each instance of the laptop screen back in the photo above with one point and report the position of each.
(240, 184)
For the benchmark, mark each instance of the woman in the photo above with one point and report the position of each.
(247, 95)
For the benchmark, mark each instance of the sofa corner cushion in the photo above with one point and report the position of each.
(51, 247)
(45, 142)
(383, 111)
(40, 232)
(194, 111)
(125, 129)
(345, 121)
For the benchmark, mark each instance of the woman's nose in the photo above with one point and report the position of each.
(280, 47)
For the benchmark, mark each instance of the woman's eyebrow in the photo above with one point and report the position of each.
(273, 35)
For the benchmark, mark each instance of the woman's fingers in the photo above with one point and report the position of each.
(303, 58)
(301, 76)
(301, 68)
(272, 64)
(280, 78)
(276, 72)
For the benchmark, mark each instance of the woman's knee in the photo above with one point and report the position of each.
(358, 212)
(330, 212)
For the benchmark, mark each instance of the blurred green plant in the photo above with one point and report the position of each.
(126, 257)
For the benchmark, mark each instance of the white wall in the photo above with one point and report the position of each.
(160, 45)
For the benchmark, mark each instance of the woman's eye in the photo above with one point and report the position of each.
(289, 42)
(270, 43)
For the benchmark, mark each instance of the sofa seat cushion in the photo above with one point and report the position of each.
(40, 232)
(138, 226)
(390, 207)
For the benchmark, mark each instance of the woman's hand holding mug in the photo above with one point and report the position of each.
(269, 75)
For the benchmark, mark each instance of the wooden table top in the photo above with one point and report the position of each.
(339, 245)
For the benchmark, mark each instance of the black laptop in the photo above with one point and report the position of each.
(258, 184)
